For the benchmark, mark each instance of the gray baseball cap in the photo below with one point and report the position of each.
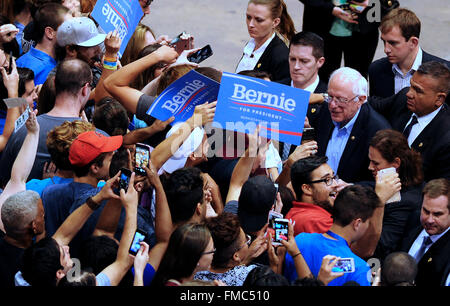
(79, 31)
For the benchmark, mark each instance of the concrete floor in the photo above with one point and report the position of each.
(222, 25)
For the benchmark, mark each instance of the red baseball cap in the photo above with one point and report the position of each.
(88, 145)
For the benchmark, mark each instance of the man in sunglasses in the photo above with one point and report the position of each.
(345, 124)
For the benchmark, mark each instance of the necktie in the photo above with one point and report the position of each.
(407, 130)
(425, 243)
(286, 150)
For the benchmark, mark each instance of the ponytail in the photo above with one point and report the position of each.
(286, 26)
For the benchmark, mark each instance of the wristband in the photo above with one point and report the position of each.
(92, 204)
(109, 67)
(110, 59)
(296, 254)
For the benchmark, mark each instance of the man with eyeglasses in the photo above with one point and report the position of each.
(345, 125)
(316, 188)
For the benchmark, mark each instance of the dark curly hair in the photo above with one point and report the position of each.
(225, 230)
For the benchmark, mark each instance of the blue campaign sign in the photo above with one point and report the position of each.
(244, 102)
(183, 95)
(120, 15)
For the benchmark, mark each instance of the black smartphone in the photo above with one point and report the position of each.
(125, 175)
(139, 236)
(142, 157)
(308, 134)
(200, 55)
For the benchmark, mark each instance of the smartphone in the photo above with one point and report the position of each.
(141, 157)
(200, 55)
(276, 193)
(281, 228)
(125, 175)
(346, 265)
(139, 236)
(309, 134)
(396, 197)
(182, 42)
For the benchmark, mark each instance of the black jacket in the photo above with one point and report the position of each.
(381, 77)
(354, 163)
(275, 60)
(433, 143)
(434, 266)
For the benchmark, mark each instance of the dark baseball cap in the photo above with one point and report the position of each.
(255, 201)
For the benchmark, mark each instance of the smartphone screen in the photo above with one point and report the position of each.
(281, 229)
(200, 55)
(346, 265)
(142, 158)
(139, 236)
(125, 175)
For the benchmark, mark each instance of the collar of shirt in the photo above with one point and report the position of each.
(41, 55)
(311, 87)
(433, 238)
(422, 123)
(415, 66)
(248, 62)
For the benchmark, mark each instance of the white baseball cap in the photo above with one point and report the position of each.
(79, 31)
(178, 160)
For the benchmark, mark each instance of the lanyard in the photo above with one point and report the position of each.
(335, 236)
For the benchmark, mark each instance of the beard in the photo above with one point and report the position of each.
(325, 205)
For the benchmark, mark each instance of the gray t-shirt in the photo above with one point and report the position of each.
(46, 124)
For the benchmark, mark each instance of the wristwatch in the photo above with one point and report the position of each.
(92, 204)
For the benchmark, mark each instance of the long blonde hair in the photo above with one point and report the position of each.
(135, 44)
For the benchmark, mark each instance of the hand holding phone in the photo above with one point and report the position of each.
(381, 174)
(139, 236)
(183, 41)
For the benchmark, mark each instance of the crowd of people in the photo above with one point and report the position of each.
(373, 183)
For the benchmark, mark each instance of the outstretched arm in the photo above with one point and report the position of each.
(202, 114)
(118, 83)
(23, 163)
(78, 218)
(117, 269)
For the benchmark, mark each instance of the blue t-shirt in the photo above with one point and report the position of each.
(41, 63)
(149, 273)
(39, 185)
(57, 201)
(316, 246)
(2, 119)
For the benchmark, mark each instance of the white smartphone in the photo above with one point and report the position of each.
(346, 265)
(396, 197)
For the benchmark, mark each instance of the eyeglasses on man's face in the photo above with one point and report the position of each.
(341, 100)
(209, 252)
(248, 242)
(328, 180)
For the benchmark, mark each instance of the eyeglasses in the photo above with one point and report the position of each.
(340, 100)
(210, 252)
(328, 180)
(248, 242)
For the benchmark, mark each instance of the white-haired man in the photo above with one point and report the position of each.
(23, 219)
(345, 127)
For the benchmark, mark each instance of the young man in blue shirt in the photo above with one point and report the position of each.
(42, 58)
(353, 208)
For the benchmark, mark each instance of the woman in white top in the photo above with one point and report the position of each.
(266, 51)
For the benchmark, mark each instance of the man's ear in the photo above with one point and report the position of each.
(307, 189)
(413, 41)
(356, 224)
(199, 209)
(440, 99)
(50, 33)
(320, 62)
